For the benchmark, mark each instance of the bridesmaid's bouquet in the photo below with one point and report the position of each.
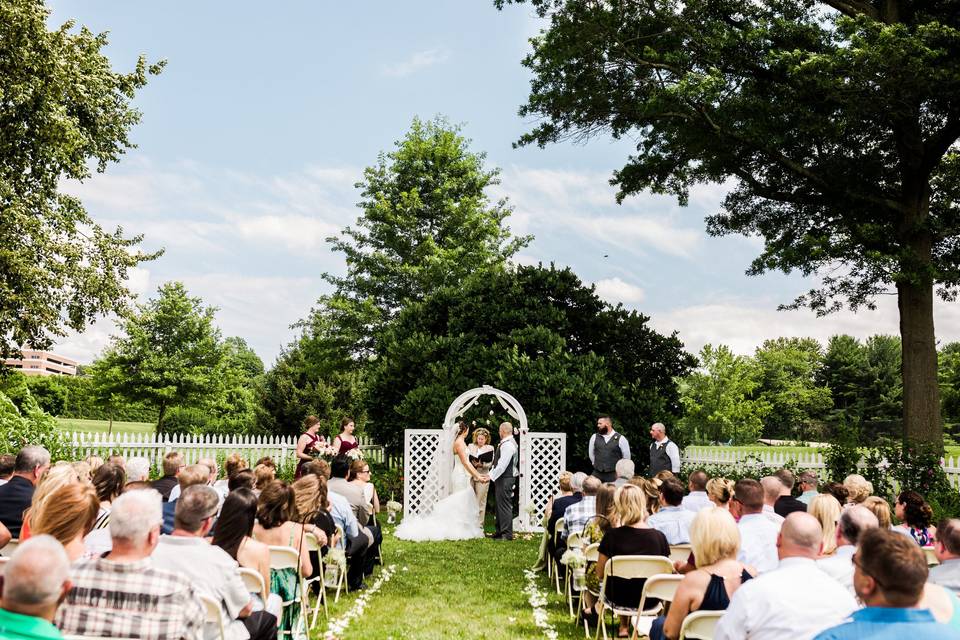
(353, 454)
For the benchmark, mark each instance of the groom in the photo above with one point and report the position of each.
(504, 477)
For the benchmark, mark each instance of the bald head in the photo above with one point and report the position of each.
(853, 522)
(771, 489)
(801, 536)
(591, 485)
(506, 429)
(36, 577)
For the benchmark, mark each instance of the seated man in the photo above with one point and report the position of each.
(195, 474)
(17, 494)
(34, 582)
(577, 515)
(771, 493)
(796, 600)
(362, 509)
(697, 498)
(358, 543)
(947, 549)
(853, 522)
(758, 534)
(786, 503)
(889, 574)
(173, 463)
(672, 520)
(124, 595)
(210, 569)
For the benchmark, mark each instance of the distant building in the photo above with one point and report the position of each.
(43, 363)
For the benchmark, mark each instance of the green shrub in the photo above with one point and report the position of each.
(29, 425)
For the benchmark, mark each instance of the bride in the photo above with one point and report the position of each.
(454, 516)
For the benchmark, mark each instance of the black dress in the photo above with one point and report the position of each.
(715, 598)
(630, 541)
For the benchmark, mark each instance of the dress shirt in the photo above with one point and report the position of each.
(772, 515)
(508, 450)
(696, 500)
(839, 566)
(673, 452)
(807, 496)
(758, 542)
(577, 515)
(15, 498)
(674, 523)
(624, 445)
(354, 495)
(342, 514)
(890, 623)
(946, 574)
(795, 601)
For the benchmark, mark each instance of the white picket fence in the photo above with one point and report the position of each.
(193, 448)
(694, 458)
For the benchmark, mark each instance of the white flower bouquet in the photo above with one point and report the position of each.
(355, 454)
(573, 558)
(393, 508)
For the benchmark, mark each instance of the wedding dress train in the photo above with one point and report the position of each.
(452, 518)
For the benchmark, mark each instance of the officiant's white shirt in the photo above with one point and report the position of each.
(508, 447)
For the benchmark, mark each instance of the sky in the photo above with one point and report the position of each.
(254, 135)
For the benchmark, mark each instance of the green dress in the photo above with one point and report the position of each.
(285, 583)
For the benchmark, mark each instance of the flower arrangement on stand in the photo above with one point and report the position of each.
(393, 508)
(576, 561)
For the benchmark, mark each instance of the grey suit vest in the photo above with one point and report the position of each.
(606, 454)
(659, 460)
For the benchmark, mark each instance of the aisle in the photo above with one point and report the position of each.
(464, 590)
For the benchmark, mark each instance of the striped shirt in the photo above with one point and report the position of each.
(130, 600)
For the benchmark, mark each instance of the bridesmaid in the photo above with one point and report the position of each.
(345, 440)
(308, 443)
(481, 457)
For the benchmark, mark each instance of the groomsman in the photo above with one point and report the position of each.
(606, 448)
(664, 453)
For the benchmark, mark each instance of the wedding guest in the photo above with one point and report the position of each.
(242, 479)
(137, 469)
(575, 516)
(947, 549)
(889, 576)
(771, 492)
(795, 600)
(108, 482)
(264, 475)
(943, 604)
(319, 468)
(881, 509)
(808, 486)
(786, 503)
(758, 535)
(172, 465)
(209, 568)
(35, 580)
(720, 491)
(7, 462)
(480, 453)
(715, 540)
(55, 477)
(560, 505)
(17, 494)
(664, 453)
(190, 476)
(853, 521)
(838, 491)
(672, 520)
(356, 543)
(68, 515)
(234, 534)
(233, 463)
(323, 519)
(345, 440)
(826, 510)
(858, 488)
(211, 466)
(915, 515)
(697, 486)
(564, 482)
(339, 472)
(632, 537)
(360, 476)
(267, 460)
(123, 594)
(651, 494)
(606, 519)
(605, 448)
(94, 463)
(117, 459)
(663, 476)
(625, 469)
(308, 444)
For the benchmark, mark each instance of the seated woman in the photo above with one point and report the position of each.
(825, 508)
(633, 537)
(233, 534)
(858, 488)
(720, 491)
(275, 527)
(360, 476)
(68, 515)
(915, 515)
(715, 540)
(264, 475)
(108, 481)
(594, 531)
(52, 479)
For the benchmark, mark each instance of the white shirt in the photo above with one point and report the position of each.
(758, 542)
(673, 452)
(695, 501)
(508, 447)
(674, 523)
(772, 515)
(839, 566)
(624, 445)
(222, 492)
(795, 601)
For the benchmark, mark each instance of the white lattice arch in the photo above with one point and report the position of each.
(541, 458)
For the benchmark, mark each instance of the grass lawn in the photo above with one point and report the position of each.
(75, 424)
(951, 450)
(458, 589)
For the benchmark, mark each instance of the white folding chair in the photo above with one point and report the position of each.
(313, 544)
(10, 547)
(254, 583)
(680, 552)
(341, 574)
(214, 616)
(552, 566)
(574, 541)
(699, 625)
(628, 567)
(663, 587)
(592, 554)
(932, 560)
(289, 558)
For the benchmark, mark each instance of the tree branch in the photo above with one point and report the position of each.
(853, 8)
(940, 142)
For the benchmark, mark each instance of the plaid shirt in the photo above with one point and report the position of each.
(130, 600)
(577, 515)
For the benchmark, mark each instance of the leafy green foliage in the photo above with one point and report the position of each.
(718, 399)
(63, 111)
(23, 422)
(787, 382)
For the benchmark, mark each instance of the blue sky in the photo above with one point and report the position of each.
(253, 137)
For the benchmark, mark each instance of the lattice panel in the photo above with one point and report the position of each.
(419, 486)
(548, 457)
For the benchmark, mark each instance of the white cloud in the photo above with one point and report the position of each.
(616, 290)
(292, 232)
(416, 62)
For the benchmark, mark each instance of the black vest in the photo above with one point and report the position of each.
(659, 460)
(509, 473)
(606, 454)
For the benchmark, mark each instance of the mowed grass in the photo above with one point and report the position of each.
(102, 426)
(468, 589)
(950, 450)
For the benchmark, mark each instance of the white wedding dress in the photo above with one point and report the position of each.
(452, 518)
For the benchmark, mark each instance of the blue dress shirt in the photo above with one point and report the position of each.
(888, 623)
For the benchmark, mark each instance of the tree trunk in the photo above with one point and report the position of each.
(163, 410)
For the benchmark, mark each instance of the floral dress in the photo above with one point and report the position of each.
(592, 533)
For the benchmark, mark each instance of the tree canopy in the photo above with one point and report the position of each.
(63, 112)
(836, 121)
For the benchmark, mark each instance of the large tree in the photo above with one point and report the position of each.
(835, 121)
(788, 383)
(63, 112)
